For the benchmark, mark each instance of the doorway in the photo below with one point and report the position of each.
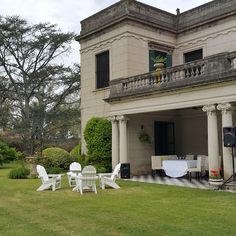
(164, 138)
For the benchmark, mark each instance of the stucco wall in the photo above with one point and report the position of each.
(128, 47)
(214, 38)
(128, 56)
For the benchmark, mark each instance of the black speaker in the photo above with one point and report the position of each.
(229, 134)
(125, 171)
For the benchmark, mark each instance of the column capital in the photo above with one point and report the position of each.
(224, 108)
(122, 118)
(113, 119)
(209, 109)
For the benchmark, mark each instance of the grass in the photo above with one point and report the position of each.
(135, 209)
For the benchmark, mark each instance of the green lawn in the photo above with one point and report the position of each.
(135, 209)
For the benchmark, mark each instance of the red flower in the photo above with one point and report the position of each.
(216, 174)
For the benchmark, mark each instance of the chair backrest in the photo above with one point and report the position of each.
(89, 175)
(42, 172)
(205, 163)
(156, 162)
(89, 171)
(75, 166)
(172, 157)
(116, 171)
(189, 157)
(199, 163)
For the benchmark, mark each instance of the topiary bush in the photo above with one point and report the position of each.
(19, 173)
(7, 153)
(76, 153)
(55, 158)
(97, 135)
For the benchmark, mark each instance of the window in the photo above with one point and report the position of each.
(154, 54)
(102, 70)
(193, 56)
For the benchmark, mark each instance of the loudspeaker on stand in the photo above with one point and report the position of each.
(229, 134)
(125, 171)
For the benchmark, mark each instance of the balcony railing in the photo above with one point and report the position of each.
(210, 70)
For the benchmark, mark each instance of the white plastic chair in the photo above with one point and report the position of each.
(75, 169)
(48, 180)
(110, 178)
(86, 180)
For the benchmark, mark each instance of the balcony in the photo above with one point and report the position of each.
(218, 68)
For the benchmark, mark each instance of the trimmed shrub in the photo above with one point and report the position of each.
(76, 153)
(56, 158)
(54, 170)
(7, 153)
(97, 135)
(19, 173)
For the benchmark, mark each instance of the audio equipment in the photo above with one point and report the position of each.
(229, 134)
(125, 171)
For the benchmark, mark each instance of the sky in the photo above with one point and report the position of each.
(67, 14)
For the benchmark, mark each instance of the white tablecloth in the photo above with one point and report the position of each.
(178, 168)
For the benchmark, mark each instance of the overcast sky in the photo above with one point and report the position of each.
(67, 14)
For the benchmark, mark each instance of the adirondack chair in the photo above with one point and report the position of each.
(86, 180)
(48, 180)
(75, 169)
(110, 178)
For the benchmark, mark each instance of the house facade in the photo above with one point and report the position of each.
(182, 108)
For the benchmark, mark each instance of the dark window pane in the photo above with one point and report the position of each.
(102, 70)
(193, 56)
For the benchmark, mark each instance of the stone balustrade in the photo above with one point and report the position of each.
(212, 69)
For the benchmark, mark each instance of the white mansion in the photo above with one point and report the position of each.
(181, 108)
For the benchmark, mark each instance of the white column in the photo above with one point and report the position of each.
(227, 121)
(213, 145)
(123, 139)
(115, 141)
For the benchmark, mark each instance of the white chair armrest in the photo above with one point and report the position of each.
(55, 175)
(105, 174)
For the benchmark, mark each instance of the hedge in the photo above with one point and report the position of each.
(97, 135)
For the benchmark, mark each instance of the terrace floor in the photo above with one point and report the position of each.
(183, 182)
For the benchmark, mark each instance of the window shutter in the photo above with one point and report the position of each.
(152, 54)
(168, 60)
(102, 70)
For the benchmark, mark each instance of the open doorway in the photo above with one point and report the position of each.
(164, 136)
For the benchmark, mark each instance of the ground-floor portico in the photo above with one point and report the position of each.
(182, 111)
(195, 130)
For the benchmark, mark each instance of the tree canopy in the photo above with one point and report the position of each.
(38, 93)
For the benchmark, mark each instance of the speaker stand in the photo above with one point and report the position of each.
(232, 178)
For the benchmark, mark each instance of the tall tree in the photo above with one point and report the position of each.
(35, 83)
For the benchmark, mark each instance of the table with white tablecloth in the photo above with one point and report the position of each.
(178, 168)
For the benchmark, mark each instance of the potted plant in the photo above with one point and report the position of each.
(215, 177)
(144, 137)
(159, 61)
